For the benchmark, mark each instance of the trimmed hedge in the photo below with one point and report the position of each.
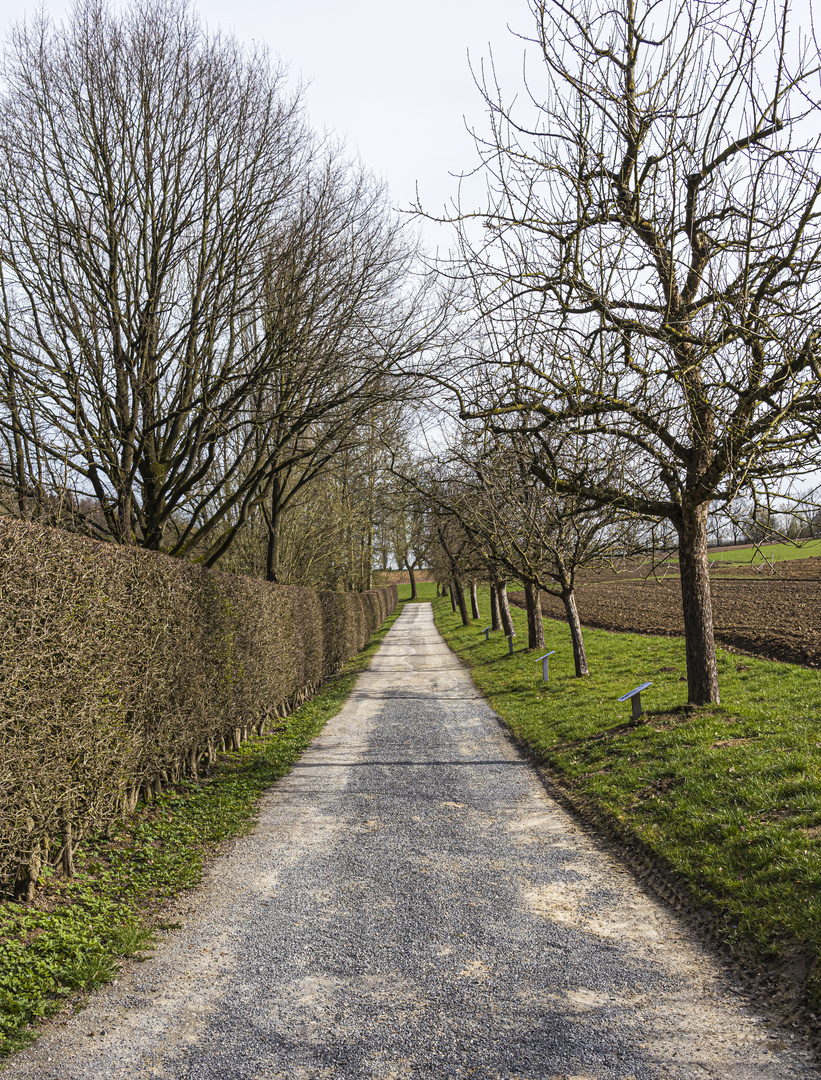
(121, 670)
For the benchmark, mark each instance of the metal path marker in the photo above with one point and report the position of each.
(510, 638)
(635, 699)
(545, 661)
(486, 631)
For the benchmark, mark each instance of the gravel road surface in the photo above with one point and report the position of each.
(413, 904)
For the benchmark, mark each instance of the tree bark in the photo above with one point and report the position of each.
(411, 574)
(274, 522)
(67, 852)
(452, 594)
(535, 625)
(576, 636)
(504, 607)
(25, 883)
(474, 600)
(368, 568)
(495, 618)
(460, 600)
(697, 607)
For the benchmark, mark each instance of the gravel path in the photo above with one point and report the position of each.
(411, 904)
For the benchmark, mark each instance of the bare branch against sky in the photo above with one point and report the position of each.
(394, 81)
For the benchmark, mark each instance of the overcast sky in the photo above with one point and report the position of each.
(392, 79)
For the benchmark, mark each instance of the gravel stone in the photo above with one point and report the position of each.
(413, 904)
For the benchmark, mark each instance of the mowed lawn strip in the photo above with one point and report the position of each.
(71, 937)
(729, 796)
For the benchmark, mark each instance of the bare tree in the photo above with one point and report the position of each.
(537, 533)
(649, 277)
(338, 311)
(326, 526)
(405, 527)
(406, 533)
(143, 166)
(454, 556)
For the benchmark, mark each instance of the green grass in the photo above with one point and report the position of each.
(426, 590)
(776, 552)
(727, 796)
(73, 935)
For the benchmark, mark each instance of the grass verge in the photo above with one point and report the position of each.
(727, 797)
(71, 938)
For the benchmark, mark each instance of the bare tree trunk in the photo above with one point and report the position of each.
(274, 524)
(67, 853)
(504, 607)
(452, 594)
(495, 619)
(535, 626)
(474, 600)
(460, 599)
(368, 574)
(19, 438)
(579, 655)
(411, 574)
(697, 607)
(25, 884)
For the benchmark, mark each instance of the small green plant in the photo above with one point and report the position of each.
(89, 971)
(132, 939)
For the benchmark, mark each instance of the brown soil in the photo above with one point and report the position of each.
(775, 615)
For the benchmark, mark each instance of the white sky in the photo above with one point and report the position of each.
(392, 79)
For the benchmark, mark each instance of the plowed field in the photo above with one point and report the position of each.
(776, 615)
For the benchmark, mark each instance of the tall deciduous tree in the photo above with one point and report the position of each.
(338, 310)
(144, 165)
(405, 527)
(649, 278)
